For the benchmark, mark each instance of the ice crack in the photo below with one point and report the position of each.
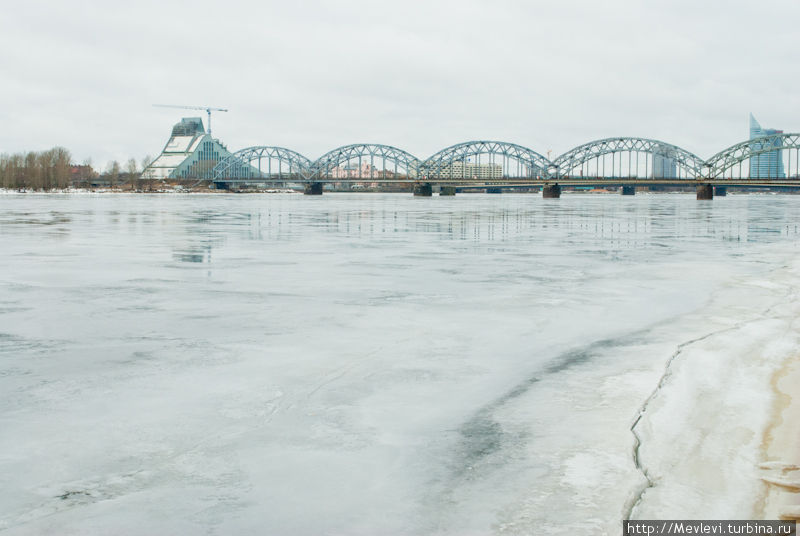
(650, 482)
(637, 440)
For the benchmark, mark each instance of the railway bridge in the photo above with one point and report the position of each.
(626, 162)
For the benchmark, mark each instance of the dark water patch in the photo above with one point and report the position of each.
(382, 299)
(139, 357)
(14, 372)
(14, 345)
(80, 494)
(29, 219)
(215, 217)
(139, 280)
(137, 308)
(482, 437)
(12, 309)
(105, 290)
(189, 257)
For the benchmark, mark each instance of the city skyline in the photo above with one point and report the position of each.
(191, 152)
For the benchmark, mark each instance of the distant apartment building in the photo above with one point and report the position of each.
(768, 164)
(354, 171)
(81, 174)
(664, 165)
(469, 170)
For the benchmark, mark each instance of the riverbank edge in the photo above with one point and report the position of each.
(95, 191)
(780, 466)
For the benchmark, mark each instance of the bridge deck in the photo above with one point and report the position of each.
(519, 183)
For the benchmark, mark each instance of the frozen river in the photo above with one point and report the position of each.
(365, 364)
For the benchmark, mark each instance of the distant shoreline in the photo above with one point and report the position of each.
(61, 191)
(195, 191)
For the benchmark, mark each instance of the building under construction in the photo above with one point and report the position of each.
(190, 153)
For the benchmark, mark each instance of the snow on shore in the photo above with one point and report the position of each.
(701, 433)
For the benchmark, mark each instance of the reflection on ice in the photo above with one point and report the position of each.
(364, 364)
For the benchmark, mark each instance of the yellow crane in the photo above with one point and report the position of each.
(208, 110)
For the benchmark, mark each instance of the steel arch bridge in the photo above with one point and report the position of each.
(491, 163)
(371, 164)
(514, 161)
(263, 162)
(581, 158)
(727, 160)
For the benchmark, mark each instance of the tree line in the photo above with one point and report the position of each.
(53, 169)
(43, 170)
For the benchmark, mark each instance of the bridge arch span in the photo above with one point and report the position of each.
(365, 161)
(730, 162)
(486, 160)
(661, 160)
(262, 162)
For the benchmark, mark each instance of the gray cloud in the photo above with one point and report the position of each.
(419, 75)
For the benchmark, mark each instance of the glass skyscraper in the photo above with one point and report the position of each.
(766, 164)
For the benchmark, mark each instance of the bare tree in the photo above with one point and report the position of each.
(44, 171)
(41, 171)
(146, 161)
(7, 170)
(30, 178)
(14, 171)
(113, 173)
(61, 161)
(134, 178)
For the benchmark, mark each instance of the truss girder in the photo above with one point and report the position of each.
(536, 164)
(240, 163)
(736, 154)
(366, 153)
(567, 163)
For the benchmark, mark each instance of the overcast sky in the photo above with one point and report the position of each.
(424, 75)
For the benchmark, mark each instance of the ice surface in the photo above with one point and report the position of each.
(379, 364)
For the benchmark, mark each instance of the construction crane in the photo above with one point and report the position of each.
(208, 110)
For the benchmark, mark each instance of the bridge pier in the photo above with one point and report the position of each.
(551, 191)
(313, 188)
(705, 191)
(423, 189)
(720, 191)
(494, 190)
(447, 190)
(628, 190)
